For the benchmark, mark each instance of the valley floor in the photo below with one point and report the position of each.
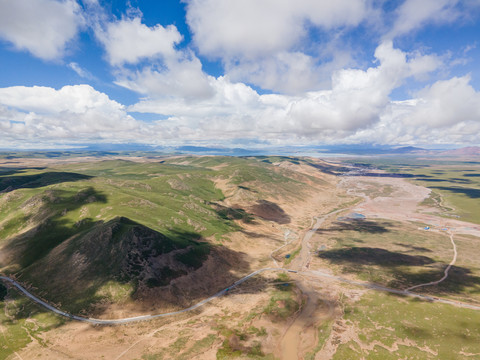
(375, 273)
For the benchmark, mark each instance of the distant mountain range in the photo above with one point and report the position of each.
(330, 150)
(309, 150)
(466, 151)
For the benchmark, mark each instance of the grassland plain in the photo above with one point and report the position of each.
(381, 326)
(400, 255)
(455, 184)
(458, 187)
(182, 212)
(65, 229)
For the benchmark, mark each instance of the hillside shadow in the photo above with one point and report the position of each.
(359, 225)
(233, 213)
(460, 180)
(270, 211)
(3, 291)
(388, 175)
(12, 182)
(252, 234)
(74, 265)
(413, 248)
(450, 180)
(247, 188)
(404, 165)
(403, 269)
(459, 279)
(373, 256)
(330, 169)
(4, 171)
(470, 192)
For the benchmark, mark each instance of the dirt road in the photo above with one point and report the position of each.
(294, 342)
(447, 269)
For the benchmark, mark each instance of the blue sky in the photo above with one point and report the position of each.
(223, 72)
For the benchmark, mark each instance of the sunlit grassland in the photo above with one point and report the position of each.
(324, 331)
(162, 196)
(43, 207)
(283, 302)
(458, 187)
(244, 340)
(22, 322)
(237, 333)
(392, 327)
(455, 185)
(401, 255)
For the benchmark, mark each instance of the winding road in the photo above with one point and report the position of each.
(286, 234)
(136, 318)
(447, 269)
(301, 263)
(304, 273)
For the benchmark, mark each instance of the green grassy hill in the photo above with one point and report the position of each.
(111, 231)
(112, 260)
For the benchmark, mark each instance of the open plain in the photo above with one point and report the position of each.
(356, 261)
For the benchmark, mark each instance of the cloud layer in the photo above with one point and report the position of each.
(265, 42)
(252, 28)
(289, 76)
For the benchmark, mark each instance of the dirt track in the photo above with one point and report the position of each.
(295, 342)
(401, 205)
(447, 269)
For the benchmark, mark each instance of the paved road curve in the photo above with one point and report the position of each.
(307, 273)
(310, 273)
(137, 318)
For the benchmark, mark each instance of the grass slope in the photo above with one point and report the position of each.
(75, 223)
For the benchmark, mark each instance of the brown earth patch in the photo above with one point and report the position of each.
(270, 211)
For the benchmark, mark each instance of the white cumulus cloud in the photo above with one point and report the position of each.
(249, 28)
(446, 112)
(446, 103)
(169, 72)
(178, 77)
(128, 41)
(42, 27)
(413, 15)
(355, 101)
(262, 41)
(71, 113)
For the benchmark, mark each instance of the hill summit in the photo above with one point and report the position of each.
(120, 255)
